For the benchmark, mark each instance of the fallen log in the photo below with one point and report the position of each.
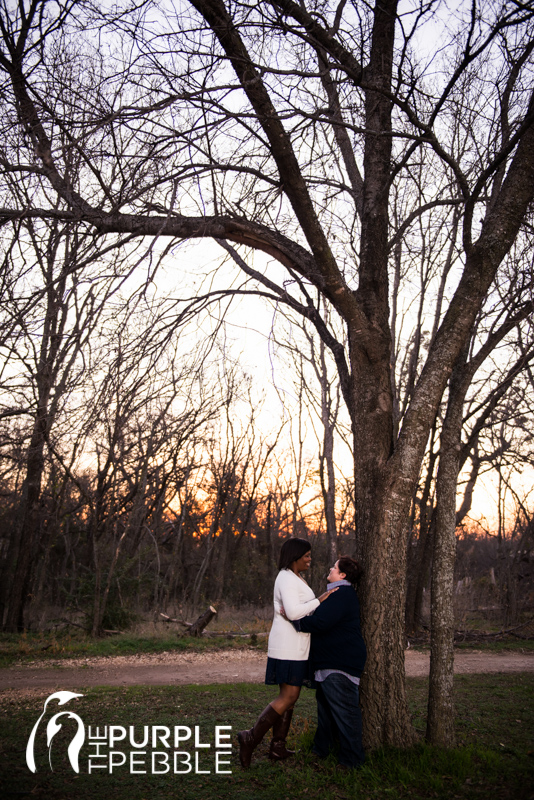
(195, 628)
(198, 626)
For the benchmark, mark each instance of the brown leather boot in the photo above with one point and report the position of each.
(249, 740)
(279, 751)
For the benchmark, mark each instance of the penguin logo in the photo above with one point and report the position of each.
(52, 728)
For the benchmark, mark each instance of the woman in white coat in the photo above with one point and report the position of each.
(287, 655)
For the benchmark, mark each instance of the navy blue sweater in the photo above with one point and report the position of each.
(336, 641)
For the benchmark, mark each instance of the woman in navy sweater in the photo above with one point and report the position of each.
(337, 658)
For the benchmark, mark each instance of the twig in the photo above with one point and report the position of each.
(178, 621)
(503, 632)
(75, 624)
(235, 634)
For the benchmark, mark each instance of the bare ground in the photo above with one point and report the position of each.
(224, 666)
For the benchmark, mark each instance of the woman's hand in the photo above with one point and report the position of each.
(323, 597)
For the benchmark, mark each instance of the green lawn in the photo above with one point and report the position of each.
(45, 646)
(27, 647)
(494, 758)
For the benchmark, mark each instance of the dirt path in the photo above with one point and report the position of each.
(226, 666)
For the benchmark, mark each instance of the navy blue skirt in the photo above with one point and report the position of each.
(295, 673)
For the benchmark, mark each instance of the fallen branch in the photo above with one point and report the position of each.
(75, 624)
(235, 634)
(172, 619)
(198, 626)
(474, 635)
(195, 628)
(84, 627)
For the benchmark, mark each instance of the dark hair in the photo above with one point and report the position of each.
(291, 551)
(351, 568)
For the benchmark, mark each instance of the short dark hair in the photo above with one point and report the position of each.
(291, 551)
(351, 568)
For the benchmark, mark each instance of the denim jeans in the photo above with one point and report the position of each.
(339, 720)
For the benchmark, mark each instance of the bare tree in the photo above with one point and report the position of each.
(318, 394)
(235, 486)
(49, 314)
(282, 128)
(149, 407)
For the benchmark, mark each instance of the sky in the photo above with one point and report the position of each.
(247, 337)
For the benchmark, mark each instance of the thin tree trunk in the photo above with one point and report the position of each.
(440, 719)
(102, 605)
(29, 532)
(419, 561)
(328, 486)
(421, 580)
(97, 617)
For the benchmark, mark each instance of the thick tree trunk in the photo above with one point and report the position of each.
(386, 715)
(380, 528)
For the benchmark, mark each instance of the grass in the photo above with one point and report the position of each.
(507, 644)
(494, 757)
(26, 647)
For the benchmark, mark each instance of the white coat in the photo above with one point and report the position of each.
(297, 599)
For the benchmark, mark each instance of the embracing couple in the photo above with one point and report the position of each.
(334, 661)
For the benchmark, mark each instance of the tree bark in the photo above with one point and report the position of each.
(326, 457)
(419, 561)
(440, 717)
(199, 624)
